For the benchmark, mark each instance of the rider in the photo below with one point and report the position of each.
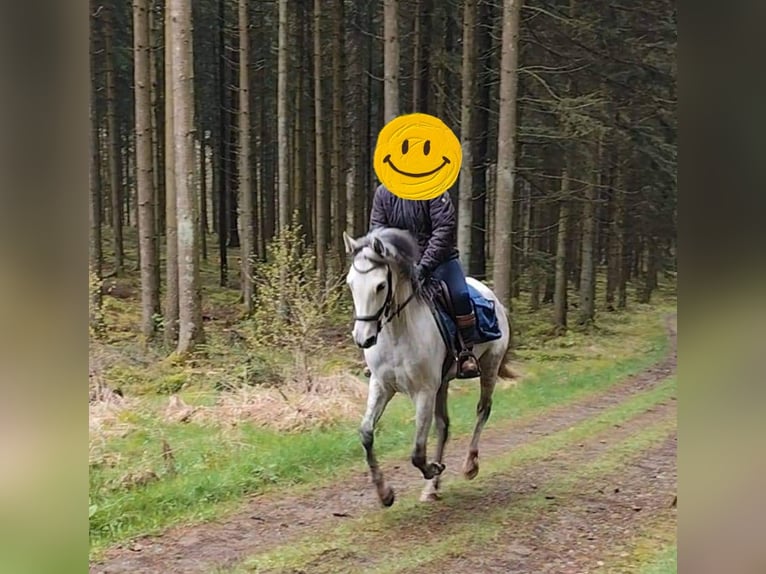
(433, 223)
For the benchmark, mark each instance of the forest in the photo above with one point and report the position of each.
(231, 146)
(566, 113)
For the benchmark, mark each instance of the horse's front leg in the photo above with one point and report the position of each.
(431, 490)
(377, 398)
(424, 412)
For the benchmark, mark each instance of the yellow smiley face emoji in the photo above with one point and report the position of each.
(417, 156)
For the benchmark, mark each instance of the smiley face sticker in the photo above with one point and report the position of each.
(417, 157)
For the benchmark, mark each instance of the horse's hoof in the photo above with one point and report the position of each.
(388, 498)
(470, 472)
(430, 497)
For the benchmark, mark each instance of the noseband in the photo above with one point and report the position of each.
(384, 311)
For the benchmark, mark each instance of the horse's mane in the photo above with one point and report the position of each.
(401, 249)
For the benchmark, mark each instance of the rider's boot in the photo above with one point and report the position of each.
(467, 364)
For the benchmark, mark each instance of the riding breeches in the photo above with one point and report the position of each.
(451, 272)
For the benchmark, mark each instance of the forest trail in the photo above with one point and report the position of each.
(567, 491)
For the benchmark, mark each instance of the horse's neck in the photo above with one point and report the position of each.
(413, 318)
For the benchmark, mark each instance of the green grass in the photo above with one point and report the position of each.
(666, 561)
(216, 467)
(390, 529)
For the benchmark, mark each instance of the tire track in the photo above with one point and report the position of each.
(270, 521)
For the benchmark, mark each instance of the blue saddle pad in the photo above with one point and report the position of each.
(487, 327)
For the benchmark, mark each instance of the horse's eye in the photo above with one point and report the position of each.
(379, 288)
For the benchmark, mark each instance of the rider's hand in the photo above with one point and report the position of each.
(420, 272)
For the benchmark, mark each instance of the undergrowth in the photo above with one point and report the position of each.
(184, 441)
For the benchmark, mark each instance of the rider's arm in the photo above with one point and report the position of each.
(443, 231)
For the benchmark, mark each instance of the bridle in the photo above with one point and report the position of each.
(385, 310)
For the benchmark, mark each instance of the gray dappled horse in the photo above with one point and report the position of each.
(405, 352)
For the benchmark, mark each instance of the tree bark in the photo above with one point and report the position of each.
(390, 59)
(158, 181)
(587, 257)
(322, 204)
(95, 253)
(203, 192)
(506, 153)
(338, 171)
(465, 203)
(560, 289)
(245, 189)
(480, 125)
(283, 148)
(190, 330)
(222, 188)
(150, 296)
(171, 227)
(115, 167)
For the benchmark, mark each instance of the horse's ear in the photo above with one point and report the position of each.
(378, 247)
(350, 242)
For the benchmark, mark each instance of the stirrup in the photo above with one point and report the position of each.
(471, 374)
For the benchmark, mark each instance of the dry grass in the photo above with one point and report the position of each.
(287, 408)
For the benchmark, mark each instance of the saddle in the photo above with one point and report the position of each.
(443, 310)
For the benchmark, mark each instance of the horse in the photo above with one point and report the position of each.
(405, 352)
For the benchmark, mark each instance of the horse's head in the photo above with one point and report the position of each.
(381, 262)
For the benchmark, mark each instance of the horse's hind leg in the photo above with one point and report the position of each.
(377, 399)
(431, 490)
(424, 412)
(483, 408)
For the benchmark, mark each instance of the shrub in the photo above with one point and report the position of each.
(292, 306)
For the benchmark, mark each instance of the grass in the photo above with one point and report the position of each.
(666, 562)
(216, 466)
(389, 530)
(135, 489)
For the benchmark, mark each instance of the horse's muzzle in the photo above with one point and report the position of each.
(368, 343)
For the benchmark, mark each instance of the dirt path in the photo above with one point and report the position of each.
(552, 542)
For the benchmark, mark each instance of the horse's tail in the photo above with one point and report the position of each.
(505, 370)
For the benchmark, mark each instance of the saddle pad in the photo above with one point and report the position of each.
(487, 327)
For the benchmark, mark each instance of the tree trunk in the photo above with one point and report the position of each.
(420, 68)
(588, 261)
(245, 211)
(95, 254)
(115, 167)
(232, 145)
(506, 153)
(171, 227)
(158, 207)
(338, 171)
(220, 161)
(190, 330)
(536, 273)
(150, 296)
(622, 244)
(203, 192)
(465, 203)
(560, 290)
(480, 137)
(282, 136)
(322, 204)
(299, 194)
(390, 59)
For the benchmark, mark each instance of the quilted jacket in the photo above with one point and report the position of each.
(433, 222)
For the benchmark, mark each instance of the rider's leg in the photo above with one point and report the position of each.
(451, 272)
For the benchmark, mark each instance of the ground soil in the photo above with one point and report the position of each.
(573, 534)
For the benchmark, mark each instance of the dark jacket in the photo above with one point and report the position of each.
(433, 222)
